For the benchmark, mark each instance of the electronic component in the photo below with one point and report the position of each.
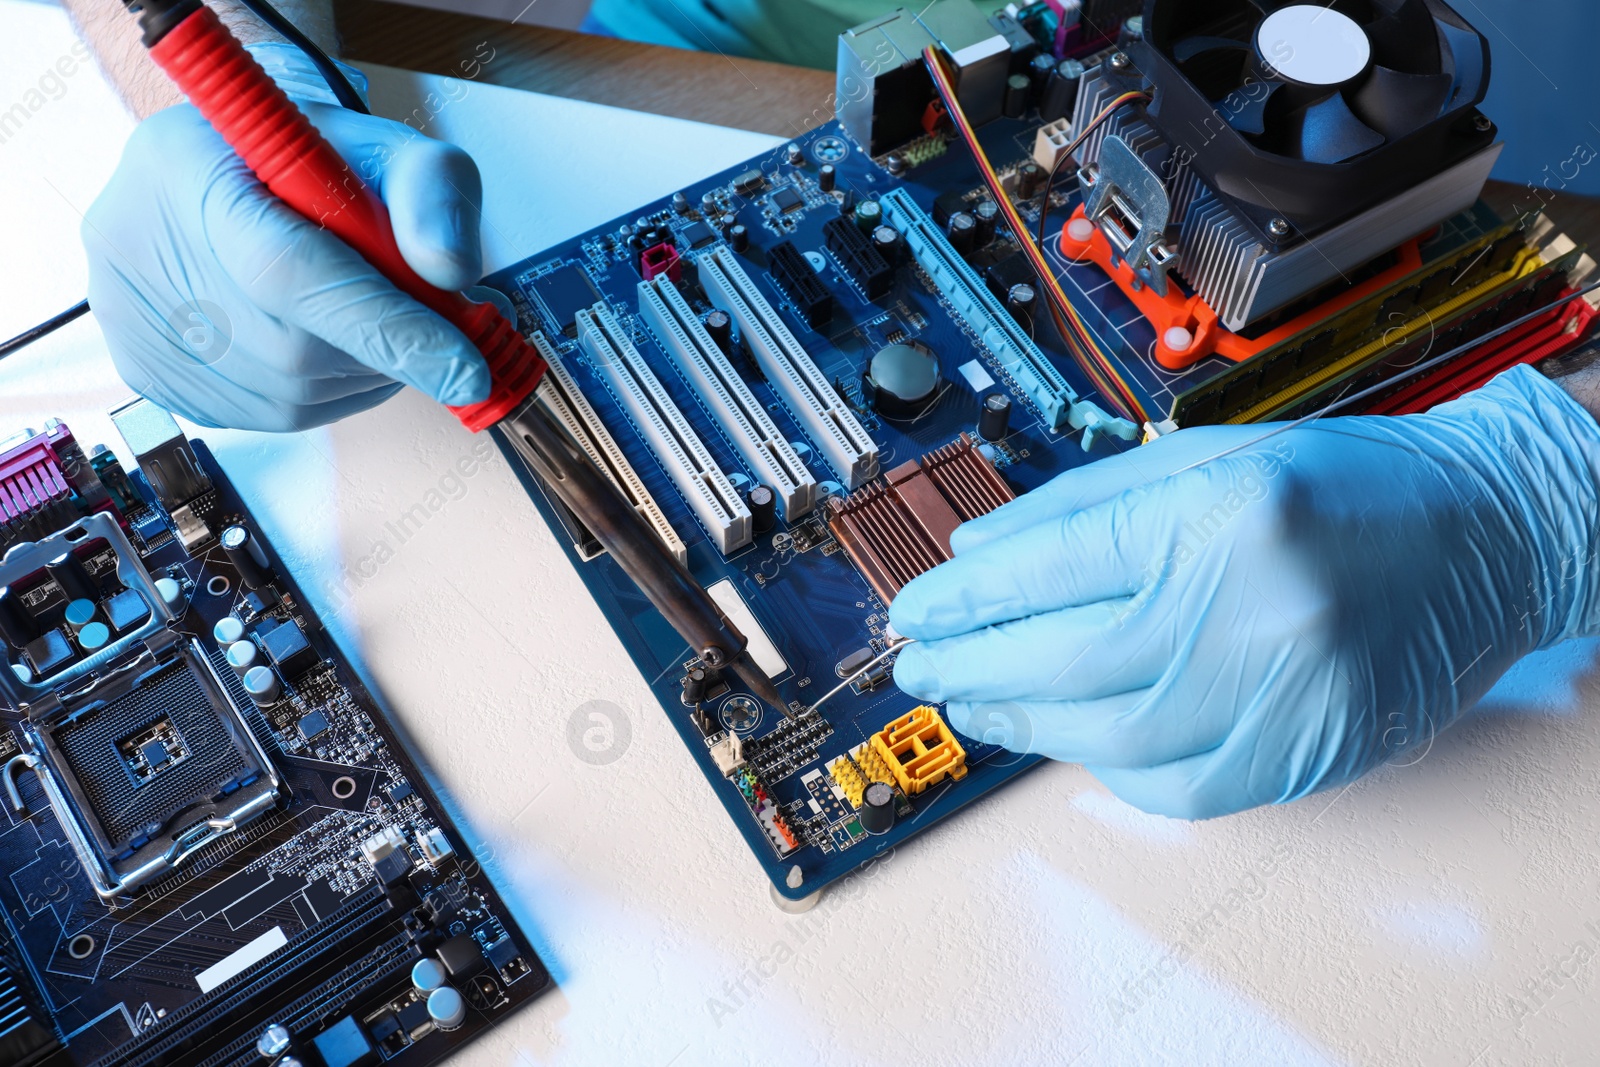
(286, 646)
(312, 725)
(125, 610)
(858, 257)
(561, 293)
(877, 808)
(462, 956)
(868, 215)
(962, 229)
(728, 753)
(1060, 94)
(994, 417)
(763, 504)
(559, 394)
(826, 176)
(1050, 143)
(660, 261)
(919, 750)
(446, 1008)
(165, 459)
(787, 199)
(698, 234)
(748, 182)
(245, 553)
(901, 381)
(703, 484)
(345, 1044)
(798, 281)
(743, 419)
(45, 483)
(262, 684)
(895, 529)
(832, 425)
(738, 237)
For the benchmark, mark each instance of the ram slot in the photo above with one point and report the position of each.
(745, 421)
(819, 409)
(676, 445)
(560, 396)
(1056, 402)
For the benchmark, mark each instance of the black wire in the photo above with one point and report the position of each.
(50, 325)
(348, 97)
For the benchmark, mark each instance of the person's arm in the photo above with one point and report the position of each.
(222, 304)
(112, 34)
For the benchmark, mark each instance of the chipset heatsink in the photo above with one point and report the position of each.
(151, 766)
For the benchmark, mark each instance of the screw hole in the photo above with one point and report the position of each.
(218, 585)
(80, 947)
(344, 787)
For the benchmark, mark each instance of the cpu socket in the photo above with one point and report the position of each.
(143, 750)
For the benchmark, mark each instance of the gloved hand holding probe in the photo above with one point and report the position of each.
(224, 305)
(1207, 635)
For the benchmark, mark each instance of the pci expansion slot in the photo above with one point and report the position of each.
(561, 397)
(742, 417)
(680, 450)
(1057, 402)
(819, 409)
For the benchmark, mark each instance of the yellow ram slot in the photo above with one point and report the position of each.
(1527, 262)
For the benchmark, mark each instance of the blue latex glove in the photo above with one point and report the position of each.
(225, 306)
(1276, 621)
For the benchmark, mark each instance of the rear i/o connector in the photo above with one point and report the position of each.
(1056, 402)
(742, 417)
(559, 394)
(680, 450)
(815, 404)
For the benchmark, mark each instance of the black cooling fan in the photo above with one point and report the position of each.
(1316, 111)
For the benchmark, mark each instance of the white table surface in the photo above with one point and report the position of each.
(1440, 913)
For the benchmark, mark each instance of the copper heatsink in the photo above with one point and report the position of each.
(898, 527)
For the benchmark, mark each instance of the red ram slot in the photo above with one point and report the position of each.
(1552, 335)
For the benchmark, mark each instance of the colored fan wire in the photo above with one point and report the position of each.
(1086, 352)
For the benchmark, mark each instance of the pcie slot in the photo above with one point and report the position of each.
(561, 397)
(1056, 401)
(745, 421)
(674, 441)
(832, 425)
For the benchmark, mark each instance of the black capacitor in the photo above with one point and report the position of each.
(1015, 103)
(1020, 300)
(877, 808)
(886, 239)
(763, 508)
(70, 574)
(720, 326)
(1030, 179)
(1061, 90)
(15, 627)
(1040, 67)
(738, 237)
(963, 232)
(987, 216)
(825, 177)
(247, 557)
(696, 683)
(994, 417)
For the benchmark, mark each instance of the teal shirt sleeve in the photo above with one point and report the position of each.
(800, 32)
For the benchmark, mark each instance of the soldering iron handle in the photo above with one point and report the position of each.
(285, 151)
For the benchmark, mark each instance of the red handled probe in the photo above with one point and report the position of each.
(279, 144)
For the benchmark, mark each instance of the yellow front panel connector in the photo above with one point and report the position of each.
(844, 772)
(919, 750)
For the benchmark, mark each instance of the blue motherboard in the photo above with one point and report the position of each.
(583, 302)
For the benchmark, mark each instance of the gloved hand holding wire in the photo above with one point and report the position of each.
(1211, 635)
(223, 305)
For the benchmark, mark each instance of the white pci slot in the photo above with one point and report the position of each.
(745, 421)
(703, 484)
(835, 428)
(561, 397)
